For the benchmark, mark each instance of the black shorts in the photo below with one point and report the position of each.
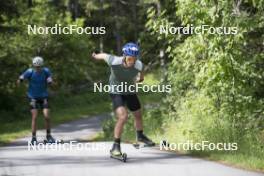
(38, 103)
(131, 100)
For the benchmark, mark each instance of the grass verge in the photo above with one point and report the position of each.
(64, 107)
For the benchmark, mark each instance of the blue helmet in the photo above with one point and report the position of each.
(131, 49)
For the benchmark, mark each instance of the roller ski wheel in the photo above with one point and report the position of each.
(122, 157)
(51, 140)
(139, 145)
(55, 142)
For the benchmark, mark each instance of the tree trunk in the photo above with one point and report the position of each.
(30, 3)
(135, 24)
(162, 52)
(101, 41)
(117, 28)
(73, 7)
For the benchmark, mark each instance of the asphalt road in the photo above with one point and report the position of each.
(92, 158)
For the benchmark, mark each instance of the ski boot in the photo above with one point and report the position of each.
(34, 140)
(49, 140)
(143, 141)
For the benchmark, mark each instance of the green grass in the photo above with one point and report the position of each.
(239, 160)
(152, 78)
(64, 108)
(153, 126)
(198, 121)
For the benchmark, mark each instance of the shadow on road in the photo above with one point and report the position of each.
(100, 160)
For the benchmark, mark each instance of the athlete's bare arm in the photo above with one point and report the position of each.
(140, 77)
(99, 56)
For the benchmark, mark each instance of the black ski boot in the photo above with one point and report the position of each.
(34, 140)
(144, 139)
(50, 139)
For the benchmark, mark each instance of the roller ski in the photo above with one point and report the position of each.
(116, 153)
(51, 140)
(143, 141)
